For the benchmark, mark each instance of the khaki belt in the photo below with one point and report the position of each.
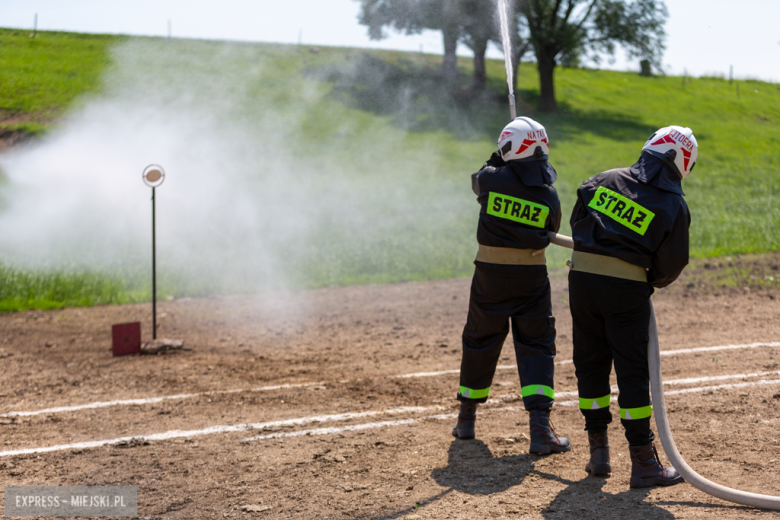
(607, 266)
(509, 256)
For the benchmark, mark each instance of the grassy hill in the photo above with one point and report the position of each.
(375, 132)
(43, 76)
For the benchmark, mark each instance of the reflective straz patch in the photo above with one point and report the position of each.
(622, 210)
(517, 210)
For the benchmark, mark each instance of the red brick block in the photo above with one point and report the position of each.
(126, 338)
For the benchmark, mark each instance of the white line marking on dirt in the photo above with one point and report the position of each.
(694, 390)
(175, 434)
(687, 381)
(351, 428)
(444, 372)
(721, 347)
(431, 374)
(723, 387)
(325, 431)
(692, 380)
(570, 361)
(152, 400)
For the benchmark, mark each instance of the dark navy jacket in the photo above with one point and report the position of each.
(636, 214)
(519, 204)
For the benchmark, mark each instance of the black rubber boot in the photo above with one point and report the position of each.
(598, 464)
(464, 428)
(543, 437)
(647, 471)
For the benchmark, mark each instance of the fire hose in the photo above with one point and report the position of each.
(662, 421)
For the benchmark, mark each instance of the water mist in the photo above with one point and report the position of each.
(271, 184)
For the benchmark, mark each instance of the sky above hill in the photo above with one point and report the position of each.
(705, 37)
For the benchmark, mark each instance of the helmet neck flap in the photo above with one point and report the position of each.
(654, 171)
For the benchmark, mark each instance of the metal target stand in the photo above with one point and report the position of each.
(153, 176)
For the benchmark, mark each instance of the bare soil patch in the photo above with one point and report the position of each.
(346, 347)
(10, 136)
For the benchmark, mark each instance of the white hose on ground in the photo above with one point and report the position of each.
(662, 421)
(665, 433)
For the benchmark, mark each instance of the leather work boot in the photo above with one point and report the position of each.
(543, 437)
(464, 428)
(598, 464)
(647, 471)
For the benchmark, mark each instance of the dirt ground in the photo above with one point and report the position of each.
(354, 439)
(10, 138)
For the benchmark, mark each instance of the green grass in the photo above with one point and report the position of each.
(22, 289)
(41, 77)
(431, 139)
(733, 192)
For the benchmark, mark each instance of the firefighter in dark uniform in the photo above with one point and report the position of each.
(519, 207)
(630, 231)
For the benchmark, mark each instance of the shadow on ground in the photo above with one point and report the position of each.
(415, 95)
(473, 470)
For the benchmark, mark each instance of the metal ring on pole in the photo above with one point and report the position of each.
(662, 421)
(153, 175)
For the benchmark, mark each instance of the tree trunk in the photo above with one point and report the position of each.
(518, 51)
(546, 64)
(450, 65)
(480, 74)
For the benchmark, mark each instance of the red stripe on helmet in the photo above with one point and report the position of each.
(686, 159)
(663, 140)
(525, 145)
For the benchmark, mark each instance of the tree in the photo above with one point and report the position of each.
(413, 16)
(472, 22)
(566, 29)
(479, 27)
(558, 31)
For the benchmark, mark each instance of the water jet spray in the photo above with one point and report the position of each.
(507, 43)
(512, 107)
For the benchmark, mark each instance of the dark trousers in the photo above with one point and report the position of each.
(611, 317)
(500, 293)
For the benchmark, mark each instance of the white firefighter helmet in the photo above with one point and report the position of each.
(677, 146)
(523, 138)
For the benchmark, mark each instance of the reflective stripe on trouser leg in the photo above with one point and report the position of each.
(596, 403)
(533, 331)
(483, 338)
(530, 390)
(473, 393)
(610, 318)
(643, 412)
(498, 293)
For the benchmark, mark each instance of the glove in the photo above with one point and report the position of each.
(496, 160)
